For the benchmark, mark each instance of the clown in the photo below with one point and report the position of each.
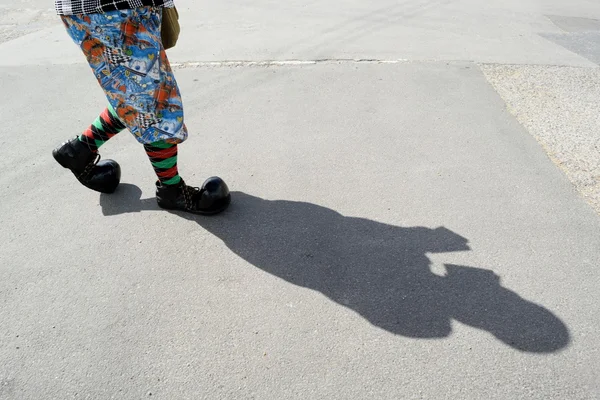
(121, 41)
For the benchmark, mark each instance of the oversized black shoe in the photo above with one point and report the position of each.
(212, 198)
(102, 176)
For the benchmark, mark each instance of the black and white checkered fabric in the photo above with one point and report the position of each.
(145, 121)
(116, 56)
(71, 7)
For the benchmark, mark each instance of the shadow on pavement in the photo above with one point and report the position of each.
(380, 271)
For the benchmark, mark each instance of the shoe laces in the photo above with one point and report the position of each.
(189, 194)
(88, 168)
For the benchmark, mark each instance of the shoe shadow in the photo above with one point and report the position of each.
(380, 271)
(126, 199)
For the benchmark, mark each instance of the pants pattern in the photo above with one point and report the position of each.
(125, 52)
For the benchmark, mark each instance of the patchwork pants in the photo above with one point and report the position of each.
(125, 52)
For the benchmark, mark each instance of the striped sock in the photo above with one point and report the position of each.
(104, 127)
(163, 157)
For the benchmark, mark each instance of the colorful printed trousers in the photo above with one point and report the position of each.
(125, 51)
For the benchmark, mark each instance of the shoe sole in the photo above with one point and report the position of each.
(223, 207)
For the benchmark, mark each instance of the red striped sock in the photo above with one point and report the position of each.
(163, 157)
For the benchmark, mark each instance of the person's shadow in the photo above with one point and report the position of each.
(380, 271)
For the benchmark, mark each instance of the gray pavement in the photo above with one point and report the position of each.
(398, 230)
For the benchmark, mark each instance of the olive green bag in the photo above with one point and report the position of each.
(170, 29)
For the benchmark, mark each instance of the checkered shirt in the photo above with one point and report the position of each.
(71, 7)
